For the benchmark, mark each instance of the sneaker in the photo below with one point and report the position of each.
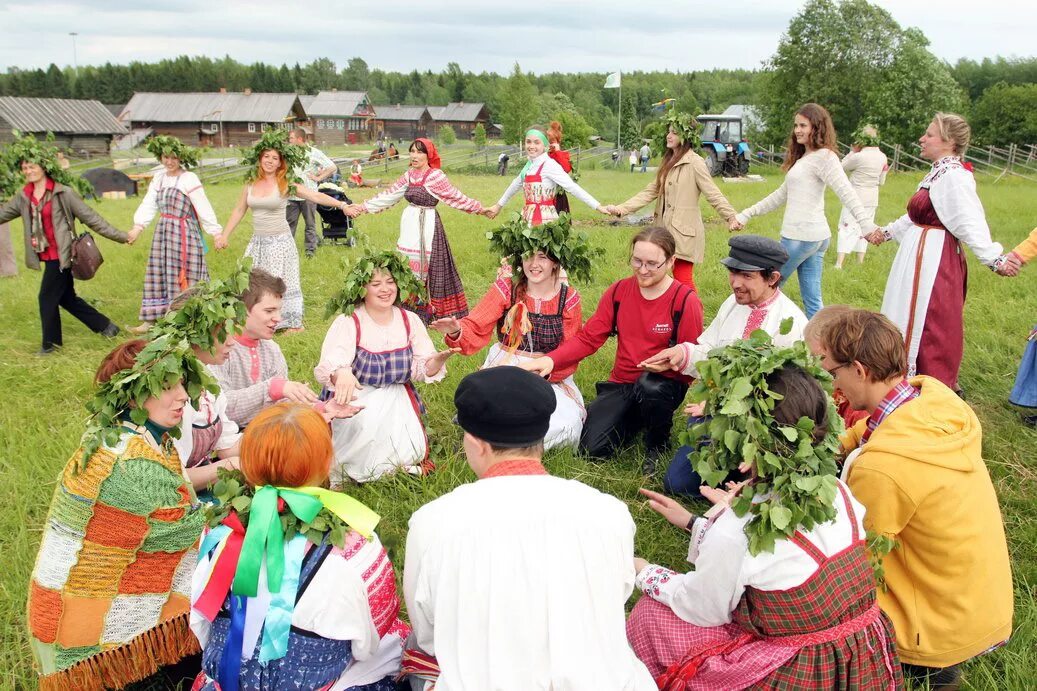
(310, 253)
(111, 331)
(46, 350)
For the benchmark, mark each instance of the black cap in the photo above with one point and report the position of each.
(754, 253)
(505, 406)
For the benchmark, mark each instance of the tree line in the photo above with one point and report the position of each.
(848, 55)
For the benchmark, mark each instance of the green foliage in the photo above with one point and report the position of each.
(878, 547)
(684, 124)
(518, 106)
(26, 147)
(795, 477)
(630, 125)
(866, 135)
(516, 239)
(359, 273)
(446, 135)
(1006, 115)
(293, 155)
(165, 145)
(234, 493)
(976, 77)
(479, 136)
(213, 311)
(575, 129)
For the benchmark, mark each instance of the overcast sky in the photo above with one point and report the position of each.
(603, 35)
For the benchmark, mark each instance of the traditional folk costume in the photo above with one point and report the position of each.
(1024, 392)
(205, 429)
(485, 598)
(925, 291)
(550, 323)
(177, 258)
(916, 464)
(388, 433)
(423, 240)
(539, 181)
(252, 378)
(273, 249)
(867, 170)
(329, 621)
(802, 616)
(110, 593)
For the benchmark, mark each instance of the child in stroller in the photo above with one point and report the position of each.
(335, 226)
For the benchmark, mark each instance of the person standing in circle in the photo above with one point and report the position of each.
(867, 167)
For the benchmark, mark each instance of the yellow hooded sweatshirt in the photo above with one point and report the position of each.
(922, 480)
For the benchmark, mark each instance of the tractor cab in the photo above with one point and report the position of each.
(724, 146)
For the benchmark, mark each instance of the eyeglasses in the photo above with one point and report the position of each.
(837, 368)
(636, 263)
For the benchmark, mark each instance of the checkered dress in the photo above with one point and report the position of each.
(385, 367)
(177, 258)
(547, 331)
(438, 271)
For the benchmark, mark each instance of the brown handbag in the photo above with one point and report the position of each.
(86, 258)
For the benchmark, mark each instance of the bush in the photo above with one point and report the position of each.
(446, 135)
(479, 136)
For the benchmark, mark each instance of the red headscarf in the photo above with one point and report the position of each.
(433, 155)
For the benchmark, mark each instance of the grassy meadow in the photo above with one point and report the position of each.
(41, 420)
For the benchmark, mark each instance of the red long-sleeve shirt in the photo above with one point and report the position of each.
(644, 329)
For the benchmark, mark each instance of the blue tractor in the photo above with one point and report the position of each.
(723, 146)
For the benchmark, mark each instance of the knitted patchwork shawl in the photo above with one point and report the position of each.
(110, 594)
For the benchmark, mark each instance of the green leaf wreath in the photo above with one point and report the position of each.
(516, 239)
(866, 135)
(795, 476)
(233, 492)
(165, 145)
(684, 125)
(293, 155)
(26, 147)
(213, 310)
(358, 274)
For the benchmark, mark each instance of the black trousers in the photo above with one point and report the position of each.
(57, 290)
(620, 411)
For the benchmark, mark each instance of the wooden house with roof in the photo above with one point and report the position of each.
(402, 122)
(341, 117)
(83, 126)
(461, 116)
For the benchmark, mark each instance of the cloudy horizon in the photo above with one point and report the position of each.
(403, 35)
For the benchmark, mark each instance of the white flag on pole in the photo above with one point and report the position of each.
(612, 81)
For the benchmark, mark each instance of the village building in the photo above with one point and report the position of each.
(403, 123)
(340, 117)
(84, 127)
(461, 116)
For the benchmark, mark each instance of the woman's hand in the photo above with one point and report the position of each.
(667, 508)
(435, 362)
(336, 411)
(671, 359)
(447, 326)
(492, 211)
(353, 210)
(695, 409)
(221, 242)
(131, 237)
(346, 385)
(733, 224)
(723, 496)
(542, 365)
(297, 392)
(639, 564)
(876, 237)
(604, 210)
(1011, 265)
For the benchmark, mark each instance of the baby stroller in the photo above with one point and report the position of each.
(335, 225)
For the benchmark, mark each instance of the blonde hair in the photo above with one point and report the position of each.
(814, 330)
(953, 128)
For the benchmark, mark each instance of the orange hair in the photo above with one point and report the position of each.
(122, 357)
(287, 445)
(554, 133)
(282, 171)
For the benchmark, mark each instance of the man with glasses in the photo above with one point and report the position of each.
(646, 312)
(916, 464)
(756, 302)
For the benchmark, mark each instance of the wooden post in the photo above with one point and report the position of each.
(896, 158)
(577, 158)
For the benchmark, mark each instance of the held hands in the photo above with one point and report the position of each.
(353, 210)
(613, 210)
(542, 365)
(346, 386)
(297, 392)
(446, 325)
(135, 231)
(436, 362)
(733, 224)
(492, 211)
(876, 237)
(671, 359)
(607, 210)
(221, 242)
(1011, 265)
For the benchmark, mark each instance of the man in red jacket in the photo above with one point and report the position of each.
(646, 312)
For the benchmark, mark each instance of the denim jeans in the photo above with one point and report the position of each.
(808, 258)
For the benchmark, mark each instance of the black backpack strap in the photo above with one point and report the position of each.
(615, 312)
(562, 297)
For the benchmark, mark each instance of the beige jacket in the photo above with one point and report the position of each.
(677, 204)
(66, 209)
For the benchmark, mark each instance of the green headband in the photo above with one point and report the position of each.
(538, 134)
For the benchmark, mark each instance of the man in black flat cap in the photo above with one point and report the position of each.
(518, 580)
(756, 302)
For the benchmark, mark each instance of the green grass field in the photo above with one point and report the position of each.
(42, 417)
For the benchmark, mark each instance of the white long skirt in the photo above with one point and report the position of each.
(387, 434)
(850, 233)
(570, 413)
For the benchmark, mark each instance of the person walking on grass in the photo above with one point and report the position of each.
(49, 208)
(810, 166)
(645, 154)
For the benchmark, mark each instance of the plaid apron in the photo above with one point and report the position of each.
(547, 331)
(387, 367)
(177, 258)
(437, 271)
(540, 199)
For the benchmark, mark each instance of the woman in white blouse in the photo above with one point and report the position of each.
(867, 167)
(539, 181)
(177, 258)
(370, 358)
(811, 164)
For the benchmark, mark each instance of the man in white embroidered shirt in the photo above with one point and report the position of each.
(756, 302)
(517, 581)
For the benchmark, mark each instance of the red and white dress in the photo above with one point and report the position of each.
(539, 181)
(803, 616)
(925, 291)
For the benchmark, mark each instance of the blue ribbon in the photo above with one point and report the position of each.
(278, 622)
(229, 670)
